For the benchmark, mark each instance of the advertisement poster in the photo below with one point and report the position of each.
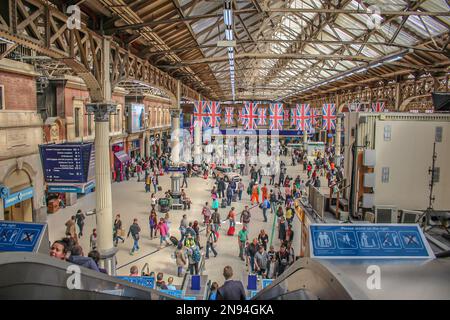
(137, 117)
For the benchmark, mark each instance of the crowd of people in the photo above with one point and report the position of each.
(261, 255)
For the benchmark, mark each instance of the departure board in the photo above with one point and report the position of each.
(68, 163)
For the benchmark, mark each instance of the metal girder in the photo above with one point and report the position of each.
(308, 33)
(168, 21)
(82, 50)
(396, 94)
(365, 12)
(284, 56)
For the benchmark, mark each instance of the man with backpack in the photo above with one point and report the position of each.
(216, 220)
(79, 218)
(211, 238)
(245, 217)
(194, 255)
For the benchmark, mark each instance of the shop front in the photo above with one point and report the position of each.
(135, 149)
(17, 196)
(120, 160)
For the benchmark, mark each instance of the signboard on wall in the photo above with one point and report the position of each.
(364, 241)
(23, 237)
(18, 197)
(136, 117)
(68, 162)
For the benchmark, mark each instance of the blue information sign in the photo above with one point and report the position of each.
(266, 282)
(148, 282)
(176, 169)
(257, 132)
(176, 293)
(19, 236)
(68, 162)
(368, 241)
(18, 197)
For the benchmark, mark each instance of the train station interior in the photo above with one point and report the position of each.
(224, 150)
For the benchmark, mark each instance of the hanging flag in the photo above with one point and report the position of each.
(286, 114)
(301, 117)
(276, 116)
(329, 116)
(249, 115)
(201, 113)
(215, 113)
(229, 115)
(262, 116)
(354, 107)
(378, 107)
(191, 128)
(314, 115)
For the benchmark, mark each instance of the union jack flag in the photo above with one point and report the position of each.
(201, 113)
(378, 107)
(314, 115)
(354, 107)
(215, 113)
(262, 116)
(329, 116)
(229, 115)
(276, 117)
(301, 117)
(286, 115)
(249, 115)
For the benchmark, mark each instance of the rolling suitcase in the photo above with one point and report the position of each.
(231, 231)
(159, 188)
(235, 197)
(174, 240)
(224, 203)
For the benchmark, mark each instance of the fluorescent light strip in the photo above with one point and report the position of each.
(228, 17)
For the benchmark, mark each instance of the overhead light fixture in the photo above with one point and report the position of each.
(229, 34)
(228, 17)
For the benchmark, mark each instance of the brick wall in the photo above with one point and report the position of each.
(20, 91)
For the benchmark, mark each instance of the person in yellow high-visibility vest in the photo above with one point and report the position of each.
(255, 194)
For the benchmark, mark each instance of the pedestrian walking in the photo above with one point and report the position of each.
(134, 231)
(163, 229)
(153, 223)
(180, 258)
(242, 239)
(93, 240)
(118, 231)
(211, 239)
(240, 189)
(215, 217)
(79, 218)
(245, 217)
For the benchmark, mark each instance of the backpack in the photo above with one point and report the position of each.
(196, 256)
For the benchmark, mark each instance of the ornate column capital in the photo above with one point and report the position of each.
(101, 110)
(175, 113)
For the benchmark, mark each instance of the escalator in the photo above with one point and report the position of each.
(354, 279)
(38, 276)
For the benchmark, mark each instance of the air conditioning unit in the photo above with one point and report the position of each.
(385, 214)
(369, 180)
(410, 216)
